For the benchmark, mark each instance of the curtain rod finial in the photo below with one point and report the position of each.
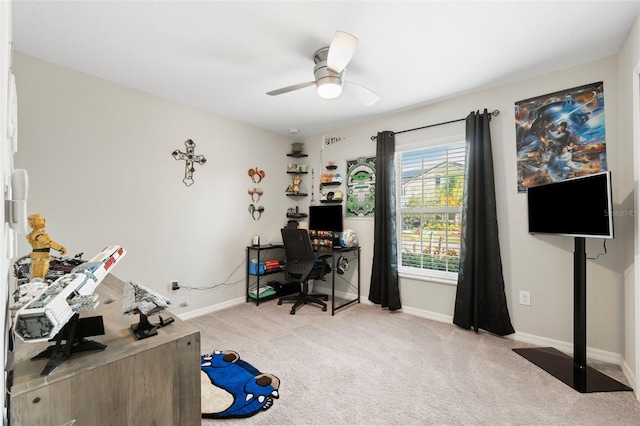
(495, 112)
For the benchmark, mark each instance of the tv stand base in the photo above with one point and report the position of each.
(584, 379)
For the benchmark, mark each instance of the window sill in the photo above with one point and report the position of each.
(429, 278)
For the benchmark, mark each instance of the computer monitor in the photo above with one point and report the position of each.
(325, 224)
(326, 218)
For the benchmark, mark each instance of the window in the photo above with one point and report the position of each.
(430, 193)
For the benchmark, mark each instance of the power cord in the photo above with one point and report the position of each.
(222, 284)
(604, 245)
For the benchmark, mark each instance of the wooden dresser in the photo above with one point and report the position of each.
(154, 381)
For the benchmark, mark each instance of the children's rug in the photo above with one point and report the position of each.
(232, 387)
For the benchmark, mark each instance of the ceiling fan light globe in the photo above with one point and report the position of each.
(329, 90)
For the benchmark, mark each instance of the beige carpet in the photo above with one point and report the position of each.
(367, 366)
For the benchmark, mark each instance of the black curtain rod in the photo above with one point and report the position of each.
(495, 113)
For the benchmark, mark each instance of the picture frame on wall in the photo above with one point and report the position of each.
(361, 182)
(560, 135)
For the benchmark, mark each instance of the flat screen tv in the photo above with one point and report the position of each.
(578, 207)
(325, 218)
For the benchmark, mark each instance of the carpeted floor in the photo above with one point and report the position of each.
(367, 366)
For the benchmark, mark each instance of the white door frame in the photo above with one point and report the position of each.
(636, 266)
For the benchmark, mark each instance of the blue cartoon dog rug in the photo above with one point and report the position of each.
(231, 387)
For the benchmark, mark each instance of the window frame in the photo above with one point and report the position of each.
(420, 274)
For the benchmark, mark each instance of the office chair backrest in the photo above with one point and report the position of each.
(299, 253)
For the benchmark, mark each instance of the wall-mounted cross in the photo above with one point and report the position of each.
(190, 158)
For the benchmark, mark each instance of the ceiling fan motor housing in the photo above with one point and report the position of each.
(328, 81)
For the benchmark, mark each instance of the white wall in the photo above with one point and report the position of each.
(542, 265)
(101, 172)
(629, 121)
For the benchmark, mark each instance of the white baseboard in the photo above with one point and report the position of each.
(209, 309)
(566, 347)
(428, 314)
(631, 378)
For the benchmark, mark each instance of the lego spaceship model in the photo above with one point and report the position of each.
(42, 309)
(138, 299)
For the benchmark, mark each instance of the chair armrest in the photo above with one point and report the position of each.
(325, 267)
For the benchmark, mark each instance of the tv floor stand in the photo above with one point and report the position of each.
(574, 371)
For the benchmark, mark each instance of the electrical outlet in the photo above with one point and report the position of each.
(525, 298)
(174, 286)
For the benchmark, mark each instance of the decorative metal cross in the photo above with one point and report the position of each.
(190, 158)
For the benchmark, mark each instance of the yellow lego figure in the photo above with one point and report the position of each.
(41, 244)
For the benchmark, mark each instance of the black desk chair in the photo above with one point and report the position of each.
(303, 265)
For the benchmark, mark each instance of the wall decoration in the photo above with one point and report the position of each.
(560, 135)
(255, 194)
(293, 168)
(256, 212)
(313, 186)
(361, 182)
(328, 140)
(296, 184)
(297, 147)
(256, 175)
(297, 187)
(190, 158)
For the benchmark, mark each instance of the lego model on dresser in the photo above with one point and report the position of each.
(151, 381)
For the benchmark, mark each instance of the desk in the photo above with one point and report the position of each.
(351, 253)
(150, 381)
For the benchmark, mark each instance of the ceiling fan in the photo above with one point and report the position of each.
(331, 63)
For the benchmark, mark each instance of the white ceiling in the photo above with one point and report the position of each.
(222, 56)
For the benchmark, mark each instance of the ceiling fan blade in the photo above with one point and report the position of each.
(341, 50)
(360, 93)
(290, 88)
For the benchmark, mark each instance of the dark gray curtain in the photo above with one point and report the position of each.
(384, 289)
(480, 297)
